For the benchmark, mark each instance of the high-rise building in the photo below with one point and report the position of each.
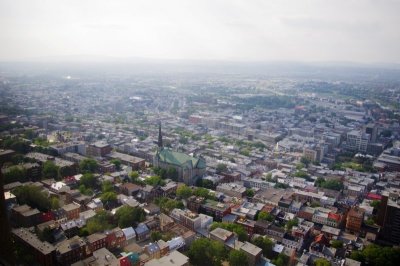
(389, 217)
(357, 141)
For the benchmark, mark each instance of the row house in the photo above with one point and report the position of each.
(292, 242)
(96, 241)
(215, 209)
(248, 225)
(71, 250)
(115, 238)
(275, 232)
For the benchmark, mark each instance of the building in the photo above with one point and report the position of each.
(115, 238)
(232, 189)
(98, 149)
(222, 235)
(42, 252)
(25, 216)
(70, 251)
(72, 210)
(99, 257)
(188, 168)
(215, 209)
(175, 258)
(357, 141)
(253, 253)
(389, 159)
(132, 161)
(389, 217)
(142, 232)
(354, 220)
(96, 241)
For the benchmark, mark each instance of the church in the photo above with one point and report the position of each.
(189, 168)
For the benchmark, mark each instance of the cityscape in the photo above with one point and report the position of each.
(191, 162)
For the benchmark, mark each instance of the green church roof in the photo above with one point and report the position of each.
(179, 158)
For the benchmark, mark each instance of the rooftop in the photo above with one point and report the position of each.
(33, 240)
(179, 158)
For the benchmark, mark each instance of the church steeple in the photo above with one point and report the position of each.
(160, 142)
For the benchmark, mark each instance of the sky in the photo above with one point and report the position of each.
(365, 31)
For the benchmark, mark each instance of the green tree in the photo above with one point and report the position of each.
(14, 174)
(46, 235)
(100, 222)
(155, 236)
(375, 255)
(322, 262)
(108, 197)
(265, 216)
(66, 171)
(375, 204)
(129, 216)
(265, 244)
(201, 192)
(204, 251)
(281, 260)
(50, 170)
(55, 203)
(88, 165)
(117, 163)
(154, 181)
(305, 161)
(167, 204)
(237, 258)
(134, 174)
(249, 192)
(292, 223)
(172, 173)
(89, 180)
(107, 186)
(184, 192)
(337, 244)
(85, 191)
(221, 168)
(236, 228)
(33, 196)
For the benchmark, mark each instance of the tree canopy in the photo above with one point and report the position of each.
(265, 244)
(14, 173)
(89, 180)
(237, 258)
(184, 192)
(204, 251)
(100, 222)
(167, 204)
(33, 196)
(265, 216)
(375, 255)
(88, 165)
(117, 163)
(129, 216)
(322, 262)
(50, 170)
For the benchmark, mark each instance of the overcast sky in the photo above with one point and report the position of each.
(248, 30)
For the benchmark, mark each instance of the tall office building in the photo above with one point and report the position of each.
(389, 217)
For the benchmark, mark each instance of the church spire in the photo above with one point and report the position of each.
(160, 142)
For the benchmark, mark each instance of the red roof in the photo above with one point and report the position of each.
(373, 196)
(334, 216)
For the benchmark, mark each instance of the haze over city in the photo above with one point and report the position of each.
(306, 31)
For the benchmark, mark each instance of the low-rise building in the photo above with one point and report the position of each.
(43, 252)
